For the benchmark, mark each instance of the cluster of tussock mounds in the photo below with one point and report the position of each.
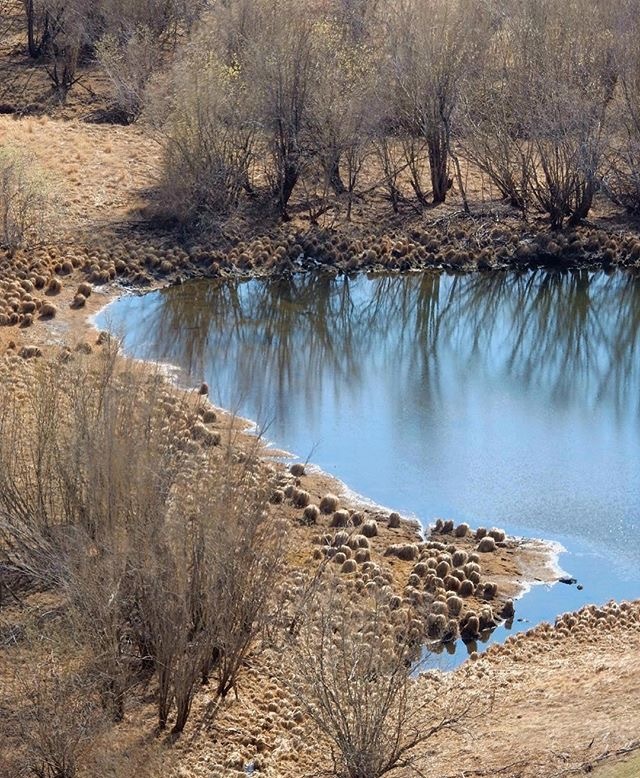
(31, 276)
(586, 626)
(431, 590)
(443, 580)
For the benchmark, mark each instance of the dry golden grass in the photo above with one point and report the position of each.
(101, 170)
(627, 767)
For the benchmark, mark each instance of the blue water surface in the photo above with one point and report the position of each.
(508, 400)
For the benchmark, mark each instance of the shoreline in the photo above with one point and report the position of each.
(511, 668)
(151, 260)
(68, 323)
(537, 559)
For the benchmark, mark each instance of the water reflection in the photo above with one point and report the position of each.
(500, 399)
(572, 337)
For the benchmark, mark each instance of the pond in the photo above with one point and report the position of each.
(509, 400)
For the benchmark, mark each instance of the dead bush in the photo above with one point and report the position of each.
(129, 61)
(57, 724)
(26, 200)
(166, 553)
(208, 138)
(352, 673)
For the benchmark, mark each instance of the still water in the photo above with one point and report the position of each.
(503, 400)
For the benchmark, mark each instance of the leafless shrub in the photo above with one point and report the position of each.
(137, 40)
(340, 115)
(352, 673)
(391, 161)
(163, 19)
(433, 45)
(622, 180)
(26, 199)
(493, 142)
(299, 96)
(537, 126)
(281, 62)
(251, 89)
(166, 553)
(129, 62)
(209, 141)
(45, 20)
(57, 724)
(56, 32)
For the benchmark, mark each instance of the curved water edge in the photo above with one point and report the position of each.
(482, 398)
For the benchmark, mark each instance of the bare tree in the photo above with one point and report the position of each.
(209, 139)
(137, 40)
(129, 61)
(431, 46)
(622, 181)
(537, 126)
(340, 118)
(280, 63)
(44, 19)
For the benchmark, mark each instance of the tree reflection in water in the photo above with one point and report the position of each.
(500, 399)
(568, 337)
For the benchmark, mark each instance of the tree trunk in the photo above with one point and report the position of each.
(36, 43)
(289, 179)
(439, 164)
(34, 51)
(583, 206)
(332, 170)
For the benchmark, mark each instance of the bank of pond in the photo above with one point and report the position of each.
(501, 399)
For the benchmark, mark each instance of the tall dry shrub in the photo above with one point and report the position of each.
(340, 115)
(129, 61)
(622, 179)
(538, 122)
(137, 40)
(432, 46)
(163, 547)
(209, 139)
(351, 668)
(56, 724)
(44, 21)
(281, 63)
(26, 199)
(240, 93)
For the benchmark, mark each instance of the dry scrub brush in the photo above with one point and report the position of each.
(57, 723)
(162, 547)
(433, 46)
(26, 200)
(129, 61)
(540, 96)
(352, 667)
(129, 37)
(208, 139)
(137, 40)
(622, 179)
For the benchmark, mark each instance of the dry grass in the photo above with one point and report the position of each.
(101, 170)
(627, 767)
